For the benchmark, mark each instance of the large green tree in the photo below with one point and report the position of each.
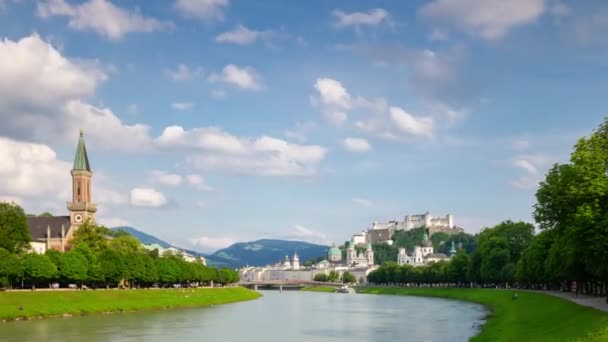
(10, 268)
(38, 269)
(14, 232)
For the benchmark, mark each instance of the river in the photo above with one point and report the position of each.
(288, 316)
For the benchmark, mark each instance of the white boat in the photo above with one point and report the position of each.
(345, 289)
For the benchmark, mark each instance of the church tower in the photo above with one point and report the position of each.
(81, 208)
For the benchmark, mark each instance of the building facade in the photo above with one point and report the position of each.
(423, 254)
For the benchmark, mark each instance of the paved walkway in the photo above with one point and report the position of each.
(594, 302)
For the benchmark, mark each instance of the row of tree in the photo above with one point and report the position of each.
(494, 261)
(569, 253)
(333, 276)
(98, 257)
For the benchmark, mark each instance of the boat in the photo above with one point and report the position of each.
(345, 289)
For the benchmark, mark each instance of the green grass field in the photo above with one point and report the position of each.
(38, 304)
(533, 317)
(319, 289)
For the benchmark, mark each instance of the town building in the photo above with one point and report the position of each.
(334, 255)
(423, 254)
(162, 251)
(360, 260)
(56, 232)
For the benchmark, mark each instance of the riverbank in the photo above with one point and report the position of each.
(318, 289)
(16, 305)
(532, 317)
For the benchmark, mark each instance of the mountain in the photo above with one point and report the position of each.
(264, 252)
(144, 238)
(255, 253)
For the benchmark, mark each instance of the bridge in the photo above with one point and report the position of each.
(285, 284)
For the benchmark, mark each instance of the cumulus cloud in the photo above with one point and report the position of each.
(53, 105)
(245, 78)
(198, 182)
(332, 99)
(356, 145)
(223, 151)
(302, 233)
(165, 178)
(532, 165)
(406, 122)
(362, 202)
(147, 197)
(357, 20)
(211, 243)
(488, 19)
(205, 10)
(182, 72)
(102, 17)
(29, 169)
(393, 123)
(182, 105)
(241, 35)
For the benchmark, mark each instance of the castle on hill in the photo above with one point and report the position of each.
(56, 232)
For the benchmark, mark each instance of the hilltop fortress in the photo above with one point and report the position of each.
(383, 231)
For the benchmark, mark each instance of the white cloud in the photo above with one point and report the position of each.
(371, 18)
(223, 151)
(164, 178)
(201, 204)
(356, 145)
(241, 35)
(438, 35)
(242, 77)
(198, 182)
(301, 233)
(102, 17)
(362, 202)
(489, 19)
(147, 197)
(185, 73)
(53, 105)
(533, 166)
(332, 99)
(406, 122)
(210, 243)
(520, 144)
(204, 10)
(29, 169)
(182, 105)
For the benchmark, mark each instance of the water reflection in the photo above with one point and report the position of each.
(292, 316)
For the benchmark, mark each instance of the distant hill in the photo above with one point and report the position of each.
(255, 253)
(144, 238)
(265, 252)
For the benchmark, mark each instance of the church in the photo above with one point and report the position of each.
(56, 232)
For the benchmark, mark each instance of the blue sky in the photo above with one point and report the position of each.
(215, 121)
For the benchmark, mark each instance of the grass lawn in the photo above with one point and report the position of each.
(58, 303)
(319, 289)
(533, 317)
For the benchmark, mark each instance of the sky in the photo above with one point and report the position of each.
(209, 122)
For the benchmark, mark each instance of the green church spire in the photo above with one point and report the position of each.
(453, 249)
(81, 161)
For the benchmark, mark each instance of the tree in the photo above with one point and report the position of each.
(348, 278)
(320, 277)
(73, 267)
(459, 267)
(14, 232)
(38, 268)
(333, 276)
(45, 214)
(10, 268)
(91, 235)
